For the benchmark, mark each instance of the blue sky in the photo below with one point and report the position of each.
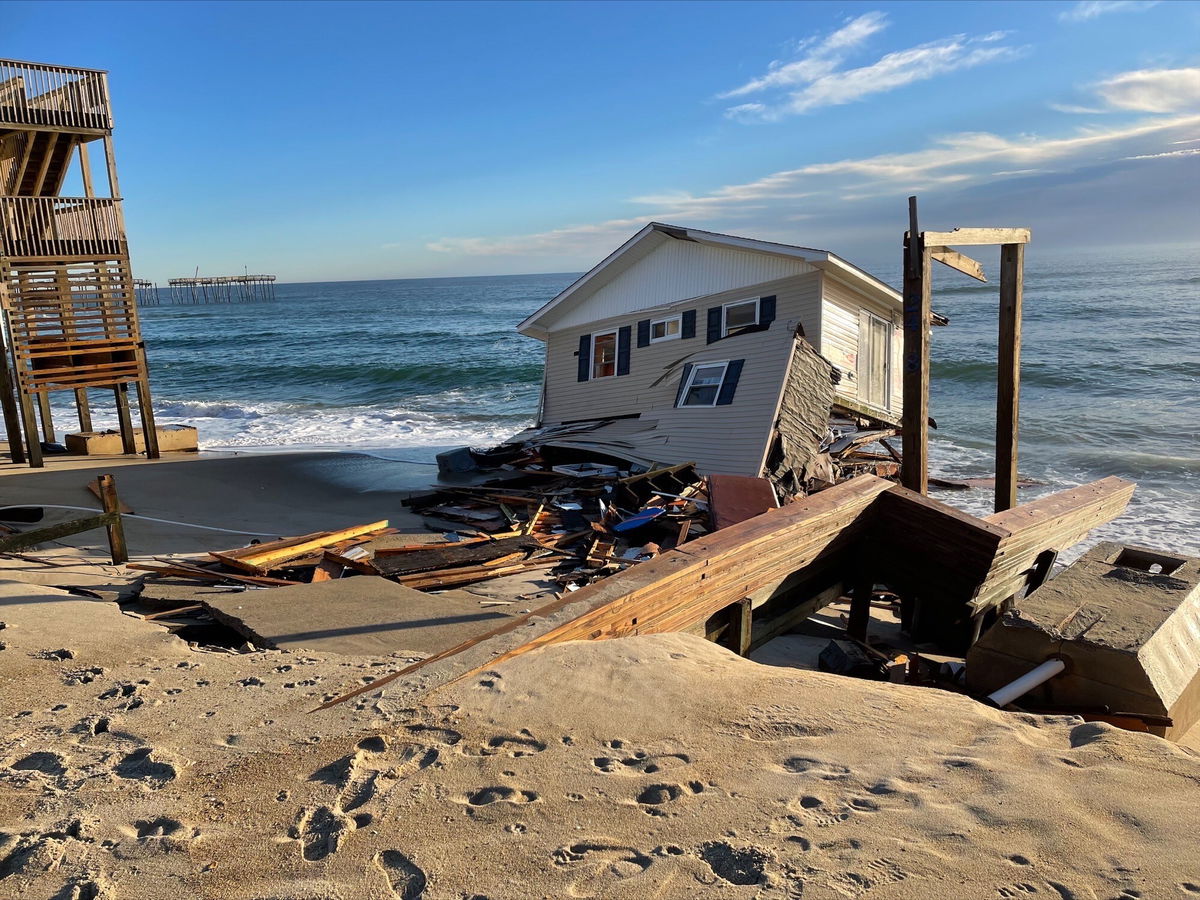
(330, 141)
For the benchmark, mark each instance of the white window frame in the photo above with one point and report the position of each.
(616, 349)
(667, 337)
(757, 301)
(687, 388)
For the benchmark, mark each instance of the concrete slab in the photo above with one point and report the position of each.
(1126, 620)
(360, 616)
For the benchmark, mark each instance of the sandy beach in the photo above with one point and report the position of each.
(136, 766)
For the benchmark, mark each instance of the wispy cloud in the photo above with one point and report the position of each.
(821, 56)
(1085, 10)
(1153, 90)
(1168, 154)
(958, 160)
(818, 79)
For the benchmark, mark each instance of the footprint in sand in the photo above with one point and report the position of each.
(877, 873)
(489, 795)
(320, 832)
(142, 765)
(521, 744)
(446, 736)
(405, 879)
(815, 768)
(736, 865)
(639, 762)
(656, 796)
(43, 762)
(600, 866)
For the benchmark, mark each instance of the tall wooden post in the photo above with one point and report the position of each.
(914, 472)
(1008, 387)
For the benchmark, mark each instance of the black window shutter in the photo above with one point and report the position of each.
(688, 325)
(730, 382)
(623, 335)
(687, 371)
(766, 310)
(644, 333)
(585, 356)
(714, 324)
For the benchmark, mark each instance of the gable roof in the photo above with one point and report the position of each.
(655, 234)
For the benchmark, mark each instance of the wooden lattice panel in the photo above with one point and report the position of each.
(73, 325)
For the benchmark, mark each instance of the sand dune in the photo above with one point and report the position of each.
(134, 767)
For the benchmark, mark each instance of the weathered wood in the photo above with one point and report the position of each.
(963, 237)
(1008, 386)
(94, 488)
(463, 554)
(860, 600)
(27, 539)
(736, 498)
(124, 421)
(263, 560)
(743, 621)
(917, 313)
(112, 510)
(957, 261)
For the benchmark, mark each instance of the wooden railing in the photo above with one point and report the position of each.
(60, 226)
(55, 96)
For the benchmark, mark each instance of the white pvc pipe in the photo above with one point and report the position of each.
(1026, 683)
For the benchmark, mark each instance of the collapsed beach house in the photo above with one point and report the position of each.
(730, 352)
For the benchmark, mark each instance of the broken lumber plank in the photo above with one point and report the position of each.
(964, 237)
(263, 561)
(465, 554)
(455, 577)
(181, 570)
(94, 487)
(362, 565)
(251, 549)
(957, 261)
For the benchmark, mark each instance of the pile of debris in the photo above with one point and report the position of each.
(579, 521)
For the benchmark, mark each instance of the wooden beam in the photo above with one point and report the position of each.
(27, 539)
(116, 529)
(1008, 385)
(51, 143)
(958, 262)
(85, 168)
(963, 237)
(260, 563)
(914, 473)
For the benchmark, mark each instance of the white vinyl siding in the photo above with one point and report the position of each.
(722, 438)
(841, 311)
(673, 271)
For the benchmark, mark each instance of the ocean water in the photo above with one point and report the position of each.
(401, 369)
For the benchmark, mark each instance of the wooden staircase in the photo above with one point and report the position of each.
(66, 288)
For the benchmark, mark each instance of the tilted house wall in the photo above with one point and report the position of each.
(662, 274)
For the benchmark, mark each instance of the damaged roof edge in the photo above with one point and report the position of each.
(821, 259)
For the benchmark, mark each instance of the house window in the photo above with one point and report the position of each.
(704, 384)
(664, 329)
(738, 315)
(604, 354)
